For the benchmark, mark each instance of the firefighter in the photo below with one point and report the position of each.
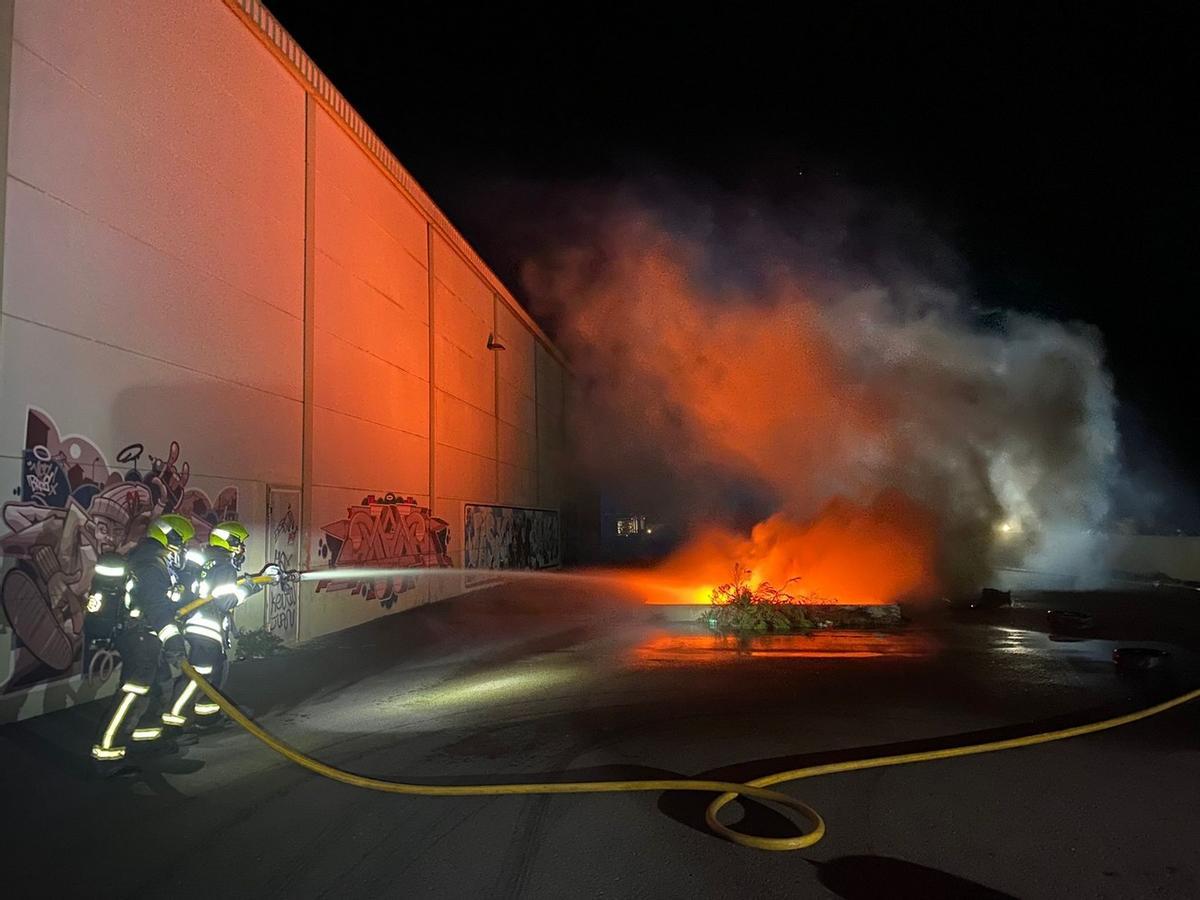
(209, 628)
(194, 562)
(106, 612)
(150, 642)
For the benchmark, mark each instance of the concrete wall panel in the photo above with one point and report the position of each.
(517, 366)
(517, 409)
(364, 456)
(357, 313)
(348, 234)
(186, 316)
(518, 487)
(458, 325)
(517, 447)
(358, 383)
(467, 375)
(465, 476)
(464, 427)
(454, 273)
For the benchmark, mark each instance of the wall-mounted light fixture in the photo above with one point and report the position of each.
(494, 343)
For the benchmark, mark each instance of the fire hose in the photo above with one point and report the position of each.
(259, 578)
(727, 791)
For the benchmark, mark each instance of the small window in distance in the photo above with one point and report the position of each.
(630, 525)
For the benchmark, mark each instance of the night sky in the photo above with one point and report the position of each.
(1052, 148)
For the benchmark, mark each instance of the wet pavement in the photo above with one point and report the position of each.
(552, 683)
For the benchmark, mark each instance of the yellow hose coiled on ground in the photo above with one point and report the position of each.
(727, 790)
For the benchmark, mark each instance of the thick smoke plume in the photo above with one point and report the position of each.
(835, 379)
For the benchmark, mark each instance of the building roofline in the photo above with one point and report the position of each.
(288, 51)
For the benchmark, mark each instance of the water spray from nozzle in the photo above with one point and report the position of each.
(368, 574)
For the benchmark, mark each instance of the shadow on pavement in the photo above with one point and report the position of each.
(855, 877)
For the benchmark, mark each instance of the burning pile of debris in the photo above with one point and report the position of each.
(857, 561)
(738, 606)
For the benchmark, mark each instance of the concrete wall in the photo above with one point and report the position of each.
(207, 254)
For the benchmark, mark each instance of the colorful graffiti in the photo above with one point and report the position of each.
(73, 507)
(388, 532)
(510, 537)
(283, 601)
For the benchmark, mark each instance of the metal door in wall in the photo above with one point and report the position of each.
(283, 548)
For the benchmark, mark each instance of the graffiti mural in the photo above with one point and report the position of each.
(510, 537)
(72, 507)
(388, 532)
(283, 600)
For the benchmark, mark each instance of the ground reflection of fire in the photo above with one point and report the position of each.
(871, 553)
(692, 649)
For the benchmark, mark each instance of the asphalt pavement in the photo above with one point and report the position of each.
(533, 683)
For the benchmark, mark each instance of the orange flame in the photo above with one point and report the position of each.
(850, 553)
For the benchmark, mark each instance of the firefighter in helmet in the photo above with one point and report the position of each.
(150, 642)
(208, 629)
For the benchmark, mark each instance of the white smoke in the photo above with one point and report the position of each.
(732, 363)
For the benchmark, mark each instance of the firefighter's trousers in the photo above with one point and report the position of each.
(146, 680)
(208, 658)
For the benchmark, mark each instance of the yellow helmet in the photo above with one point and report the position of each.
(173, 531)
(230, 535)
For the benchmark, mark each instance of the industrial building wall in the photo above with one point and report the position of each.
(221, 296)
(370, 368)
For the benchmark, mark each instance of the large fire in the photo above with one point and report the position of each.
(879, 552)
(717, 376)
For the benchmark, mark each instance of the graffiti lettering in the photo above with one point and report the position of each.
(389, 532)
(42, 479)
(283, 599)
(507, 537)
